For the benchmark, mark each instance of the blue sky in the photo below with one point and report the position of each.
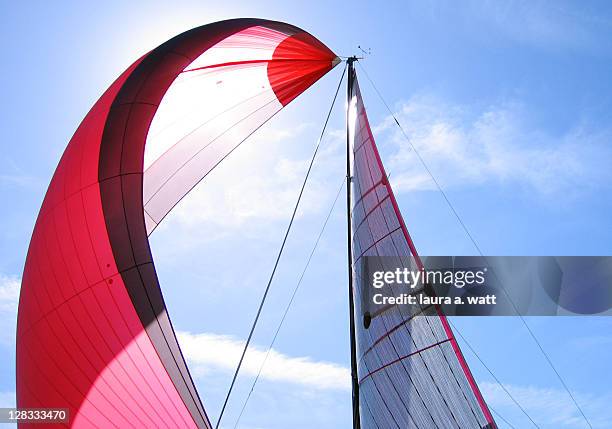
(508, 103)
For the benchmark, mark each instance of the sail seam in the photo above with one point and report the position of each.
(401, 358)
(247, 62)
(380, 202)
(394, 329)
(376, 242)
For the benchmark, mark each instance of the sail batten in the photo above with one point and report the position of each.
(411, 371)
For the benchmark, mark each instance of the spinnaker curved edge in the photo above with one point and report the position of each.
(93, 333)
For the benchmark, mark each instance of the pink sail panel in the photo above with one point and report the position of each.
(93, 333)
(411, 371)
(219, 100)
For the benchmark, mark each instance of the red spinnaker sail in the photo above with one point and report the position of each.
(93, 334)
(411, 371)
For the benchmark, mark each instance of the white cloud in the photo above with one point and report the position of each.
(7, 399)
(551, 407)
(207, 352)
(495, 146)
(9, 293)
(9, 299)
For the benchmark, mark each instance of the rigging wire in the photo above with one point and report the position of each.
(280, 252)
(465, 229)
(492, 375)
(501, 417)
(295, 290)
